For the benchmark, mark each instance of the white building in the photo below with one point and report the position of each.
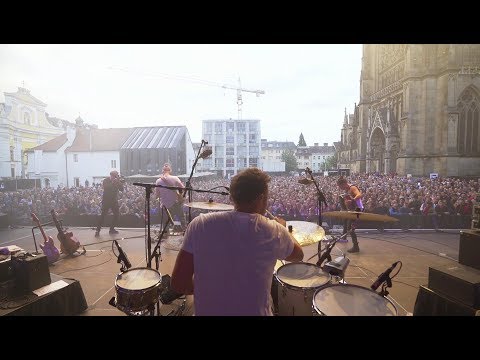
(90, 154)
(314, 157)
(235, 145)
(272, 154)
(24, 124)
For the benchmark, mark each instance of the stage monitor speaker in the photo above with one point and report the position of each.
(457, 281)
(433, 303)
(31, 272)
(469, 250)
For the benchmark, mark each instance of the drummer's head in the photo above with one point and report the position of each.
(167, 168)
(342, 183)
(249, 190)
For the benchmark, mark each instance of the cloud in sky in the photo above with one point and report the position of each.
(307, 86)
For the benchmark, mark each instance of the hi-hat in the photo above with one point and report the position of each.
(209, 205)
(354, 215)
(306, 233)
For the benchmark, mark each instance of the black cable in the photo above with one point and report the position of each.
(412, 247)
(87, 267)
(419, 238)
(391, 277)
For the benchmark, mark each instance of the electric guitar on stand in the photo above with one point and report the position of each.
(68, 243)
(48, 247)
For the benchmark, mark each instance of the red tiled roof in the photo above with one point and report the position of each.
(52, 145)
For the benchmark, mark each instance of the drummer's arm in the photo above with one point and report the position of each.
(297, 252)
(182, 275)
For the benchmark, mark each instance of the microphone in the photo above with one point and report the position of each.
(305, 181)
(122, 256)
(307, 169)
(383, 277)
(205, 153)
(205, 142)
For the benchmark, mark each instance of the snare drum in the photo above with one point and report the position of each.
(137, 290)
(351, 300)
(297, 283)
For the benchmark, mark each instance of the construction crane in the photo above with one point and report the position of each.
(238, 88)
(239, 95)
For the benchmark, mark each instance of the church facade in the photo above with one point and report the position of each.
(419, 111)
(24, 124)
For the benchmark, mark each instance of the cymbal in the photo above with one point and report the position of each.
(306, 233)
(209, 205)
(354, 215)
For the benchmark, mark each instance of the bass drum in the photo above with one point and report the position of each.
(351, 300)
(297, 283)
(137, 290)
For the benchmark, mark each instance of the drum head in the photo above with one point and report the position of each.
(138, 279)
(302, 275)
(351, 300)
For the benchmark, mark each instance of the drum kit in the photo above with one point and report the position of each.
(298, 289)
(306, 289)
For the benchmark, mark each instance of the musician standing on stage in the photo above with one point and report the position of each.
(172, 199)
(353, 202)
(111, 187)
(228, 257)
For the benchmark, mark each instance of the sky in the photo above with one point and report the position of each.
(307, 86)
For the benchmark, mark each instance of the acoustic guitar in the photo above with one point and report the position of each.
(48, 247)
(68, 243)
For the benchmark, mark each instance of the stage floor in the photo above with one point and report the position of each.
(97, 268)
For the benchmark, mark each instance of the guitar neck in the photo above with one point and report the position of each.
(57, 223)
(35, 219)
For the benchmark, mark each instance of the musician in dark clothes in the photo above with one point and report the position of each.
(111, 186)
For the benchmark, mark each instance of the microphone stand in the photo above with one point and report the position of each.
(148, 192)
(321, 198)
(188, 184)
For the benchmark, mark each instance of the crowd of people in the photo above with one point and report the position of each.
(383, 194)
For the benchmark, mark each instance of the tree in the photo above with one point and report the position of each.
(290, 160)
(301, 141)
(331, 162)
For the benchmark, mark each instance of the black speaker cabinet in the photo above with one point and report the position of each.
(6, 268)
(469, 250)
(433, 303)
(457, 281)
(31, 272)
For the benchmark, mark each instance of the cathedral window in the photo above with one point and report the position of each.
(468, 123)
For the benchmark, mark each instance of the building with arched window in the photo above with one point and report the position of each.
(419, 111)
(24, 124)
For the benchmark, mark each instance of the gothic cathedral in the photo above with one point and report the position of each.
(419, 112)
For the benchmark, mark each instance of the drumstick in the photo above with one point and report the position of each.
(269, 214)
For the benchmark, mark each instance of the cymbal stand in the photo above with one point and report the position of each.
(188, 184)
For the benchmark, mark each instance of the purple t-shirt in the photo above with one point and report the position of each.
(234, 255)
(168, 197)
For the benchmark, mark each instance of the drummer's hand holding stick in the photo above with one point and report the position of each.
(277, 219)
